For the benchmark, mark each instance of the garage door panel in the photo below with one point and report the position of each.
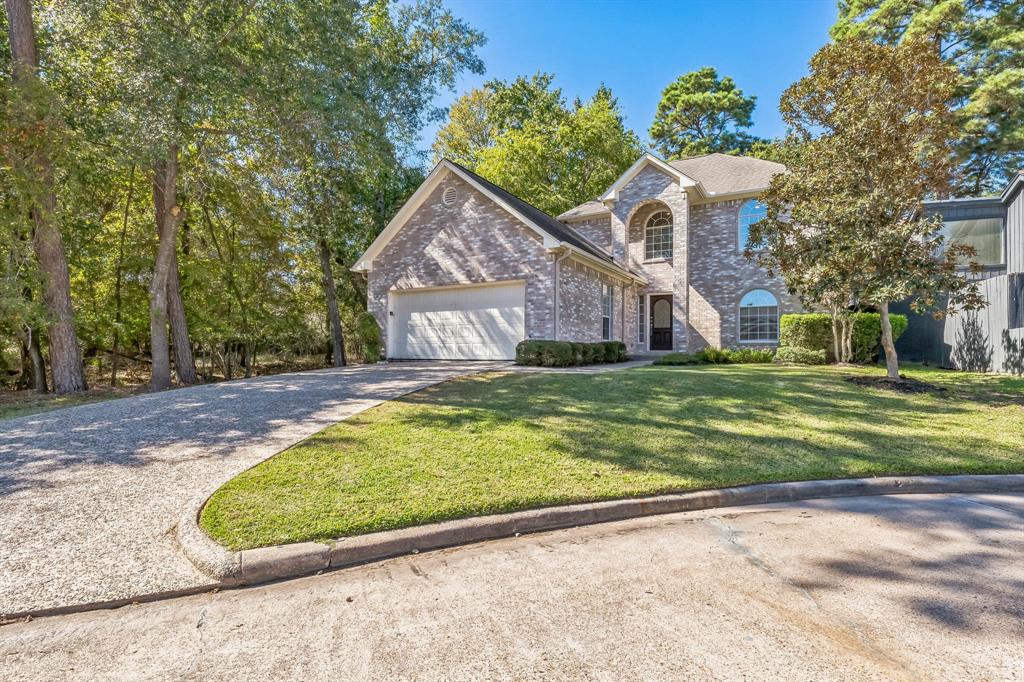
(461, 323)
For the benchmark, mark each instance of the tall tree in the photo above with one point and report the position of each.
(33, 164)
(523, 136)
(872, 126)
(984, 39)
(701, 113)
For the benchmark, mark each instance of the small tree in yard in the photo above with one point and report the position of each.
(870, 127)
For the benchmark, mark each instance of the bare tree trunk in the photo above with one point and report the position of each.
(30, 350)
(184, 364)
(168, 218)
(836, 336)
(65, 355)
(892, 364)
(331, 294)
(119, 280)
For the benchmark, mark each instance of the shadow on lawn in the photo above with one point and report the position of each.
(709, 425)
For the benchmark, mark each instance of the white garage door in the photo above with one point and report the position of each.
(458, 323)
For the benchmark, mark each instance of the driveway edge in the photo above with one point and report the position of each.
(252, 566)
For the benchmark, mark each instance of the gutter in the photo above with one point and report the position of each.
(612, 269)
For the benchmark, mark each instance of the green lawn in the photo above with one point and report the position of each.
(497, 443)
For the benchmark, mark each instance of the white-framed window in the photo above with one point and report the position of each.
(606, 312)
(751, 212)
(759, 317)
(641, 318)
(658, 236)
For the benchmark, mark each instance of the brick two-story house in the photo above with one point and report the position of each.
(466, 270)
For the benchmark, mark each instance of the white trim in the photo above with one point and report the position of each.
(742, 246)
(608, 268)
(459, 285)
(684, 180)
(778, 319)
(650, 314)
(436, 176)
(646, 226)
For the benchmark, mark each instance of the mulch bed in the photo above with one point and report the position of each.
(902, 385)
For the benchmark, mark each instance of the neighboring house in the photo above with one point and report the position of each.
(466, 270)
(990, 339)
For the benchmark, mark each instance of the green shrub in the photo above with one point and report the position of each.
(679, 359)
(614, 351)
(806, 330)
(540, 353)
(557, 354)
(529, 353)
(750, 355)
(367, 334)
(813, 331)
(578, 353)
(713, 356)
(800, 356)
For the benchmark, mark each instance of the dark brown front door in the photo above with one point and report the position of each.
(661, 322)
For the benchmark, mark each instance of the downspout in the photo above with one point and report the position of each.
(558, 277)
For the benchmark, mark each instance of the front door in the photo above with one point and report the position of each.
(661, 322)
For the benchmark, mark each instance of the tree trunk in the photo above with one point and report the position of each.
(168, 218)
(892, 364)
(119, 280)
(65, 355)
(184, 364)
(836, 337)
(337, 339)
(36, 370)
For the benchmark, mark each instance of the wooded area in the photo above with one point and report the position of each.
(185, 184)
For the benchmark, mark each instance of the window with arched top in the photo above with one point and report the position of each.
(759, 317)
(658, 236)
(751, 212)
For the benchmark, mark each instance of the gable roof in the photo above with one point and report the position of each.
(553, 233)
(727, 174)
(552, 226)
(712, 176)
(641, 163)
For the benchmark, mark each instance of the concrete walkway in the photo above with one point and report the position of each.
(907, 587)
(89, 495)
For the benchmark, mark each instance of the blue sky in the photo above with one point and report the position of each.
(638, 47)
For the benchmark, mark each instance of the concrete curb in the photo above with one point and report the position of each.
(264, 564)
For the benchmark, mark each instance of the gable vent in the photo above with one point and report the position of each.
(448, 196)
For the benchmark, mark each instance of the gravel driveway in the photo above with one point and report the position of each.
(89, 495)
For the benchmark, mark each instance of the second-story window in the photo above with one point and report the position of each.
(658, 236)
(752, 211)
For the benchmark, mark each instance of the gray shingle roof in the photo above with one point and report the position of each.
(717, 174)
(725, 174)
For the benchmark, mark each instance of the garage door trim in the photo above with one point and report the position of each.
(394, 292)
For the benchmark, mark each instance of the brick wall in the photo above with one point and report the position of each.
(720, 275)
(472, 241)
(649, 191)
(597, 230)
(579, 303)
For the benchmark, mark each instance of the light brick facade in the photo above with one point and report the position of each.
(475, 240)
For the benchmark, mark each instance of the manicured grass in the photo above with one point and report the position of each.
(497, 443)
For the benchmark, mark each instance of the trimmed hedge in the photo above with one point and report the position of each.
(813, 331)
(568, 353)
(800, 356)
(717, 356)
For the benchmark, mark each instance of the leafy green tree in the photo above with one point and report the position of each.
(32, 129)
(984, 39)
(524, 137)
(869, 142)
(701, 113)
